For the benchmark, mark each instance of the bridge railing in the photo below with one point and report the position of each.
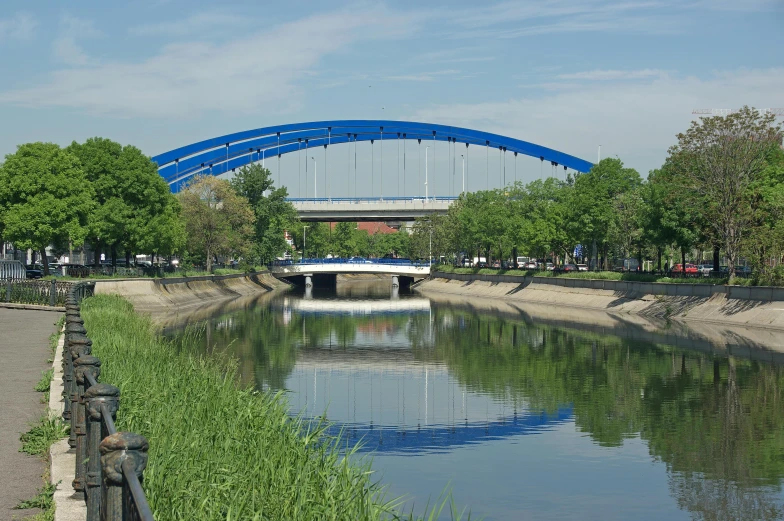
(369, 200)
(109, 464)
(353, 260)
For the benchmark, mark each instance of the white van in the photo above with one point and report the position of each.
(521, 262)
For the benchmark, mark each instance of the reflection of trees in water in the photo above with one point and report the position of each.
(718, 424)
(265, 342)
(721, 499)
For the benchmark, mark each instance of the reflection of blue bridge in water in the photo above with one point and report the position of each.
(443, 438)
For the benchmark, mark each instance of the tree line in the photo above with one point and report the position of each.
(721, 189)
(111, 197)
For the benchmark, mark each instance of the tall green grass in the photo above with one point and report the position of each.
(218, 451)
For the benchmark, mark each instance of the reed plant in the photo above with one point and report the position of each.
(218, 451)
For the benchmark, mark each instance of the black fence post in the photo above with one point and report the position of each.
(95, 397)
(8, 289)
(76, 345)
(53, 293)
(82, 365)
(115, 450)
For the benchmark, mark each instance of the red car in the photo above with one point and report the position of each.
(691, 269)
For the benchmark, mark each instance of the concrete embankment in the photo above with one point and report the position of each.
(692, 303)
(162, 297)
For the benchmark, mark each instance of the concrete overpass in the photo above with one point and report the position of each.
(355, 209)
(324, 272)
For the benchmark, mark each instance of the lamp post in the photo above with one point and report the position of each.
(430, 246)
(463, 159)
(426, 149)
(315, 177)
(304, 237)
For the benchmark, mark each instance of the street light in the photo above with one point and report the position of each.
(304, 236)
(463, 158)
(426, 149)
(315, 177)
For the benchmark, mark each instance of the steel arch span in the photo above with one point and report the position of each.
(224, 153)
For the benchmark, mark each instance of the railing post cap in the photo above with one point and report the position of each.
(74, 339)
(118, 447)
(100, 394)
(87, 363)
(74, 327)
(87, 360)
(74, 319)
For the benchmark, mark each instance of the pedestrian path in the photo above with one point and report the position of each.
(24, 351)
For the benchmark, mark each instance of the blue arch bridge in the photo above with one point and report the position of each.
(406, 201)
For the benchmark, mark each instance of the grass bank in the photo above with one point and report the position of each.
(595, 275)
(218, 451)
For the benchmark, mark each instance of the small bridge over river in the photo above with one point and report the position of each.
(324, 272)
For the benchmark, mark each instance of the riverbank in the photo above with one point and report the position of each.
(218, 451)
(165, 298)
(692, 303)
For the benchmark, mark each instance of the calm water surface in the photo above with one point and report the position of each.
(522, 420)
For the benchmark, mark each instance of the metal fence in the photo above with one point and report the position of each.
(109, 464)
(31, 291)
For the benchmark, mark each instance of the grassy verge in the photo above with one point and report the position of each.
(218, 451)
(595, 275)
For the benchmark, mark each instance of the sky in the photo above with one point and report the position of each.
(567, 74)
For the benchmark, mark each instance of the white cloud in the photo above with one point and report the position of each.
(193, 24)
(427, 76)
(637, 121)
(18, 27)
(253, 73)
(610, 75)
(65, 47)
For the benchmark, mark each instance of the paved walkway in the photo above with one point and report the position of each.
(24, 351)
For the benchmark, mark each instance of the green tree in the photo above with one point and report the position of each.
(721, 158)
(343, 241)
(218, 221)
(273, 214)
(45, 197)
(135, 209)
(592, 208)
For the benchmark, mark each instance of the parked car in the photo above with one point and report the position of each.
(497, 264)
(359, 260)
(549, 266)
(531, 265)
(743, 270)
(582, 267)
(705, 269)
(35, 271)
(467, 262)
(570, 267)
(691, 269)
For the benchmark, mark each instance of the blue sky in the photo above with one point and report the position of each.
(568, 74)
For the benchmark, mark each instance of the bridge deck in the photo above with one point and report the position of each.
(370, 209)
(330, 266)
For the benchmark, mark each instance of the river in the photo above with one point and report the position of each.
(519, 419)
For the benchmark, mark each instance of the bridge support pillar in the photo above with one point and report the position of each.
(308, 281)
(395, 281)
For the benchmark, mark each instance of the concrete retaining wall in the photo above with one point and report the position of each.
(761, 293)
(159, 296)
(729, 305)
